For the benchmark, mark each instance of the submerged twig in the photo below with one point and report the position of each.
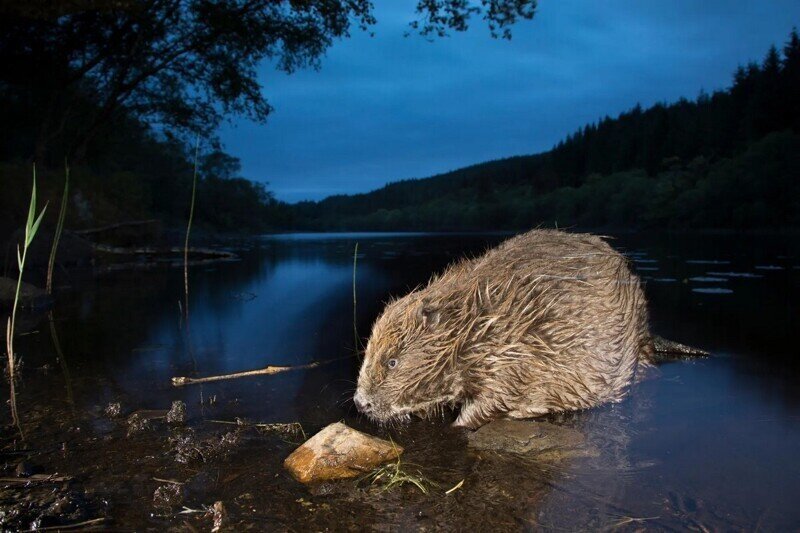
(35, 478)
(170, 481)
(281, 427)
(625, 520)
(180, 381)
(455, 487)
(76, 525)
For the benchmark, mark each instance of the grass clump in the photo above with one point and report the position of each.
(395, 475)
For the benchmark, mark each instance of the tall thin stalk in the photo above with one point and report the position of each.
(59, 229)
(62, 360)
(31, 227)
(188, 231)
(356, 342)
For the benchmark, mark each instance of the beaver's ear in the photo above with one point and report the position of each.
(428, 314)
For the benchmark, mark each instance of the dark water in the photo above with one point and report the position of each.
(702, 444)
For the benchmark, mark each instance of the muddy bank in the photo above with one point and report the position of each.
(108, 468)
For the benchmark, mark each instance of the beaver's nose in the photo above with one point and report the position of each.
(362, 404)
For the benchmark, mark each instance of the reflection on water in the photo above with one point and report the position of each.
(707, 443)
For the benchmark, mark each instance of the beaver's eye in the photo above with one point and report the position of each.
(391, 363)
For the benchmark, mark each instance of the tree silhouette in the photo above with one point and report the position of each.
(181, 65)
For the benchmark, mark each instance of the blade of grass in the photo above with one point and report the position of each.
(51, 263)
(31, 227)
(188, 232)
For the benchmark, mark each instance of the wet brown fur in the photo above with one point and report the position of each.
(547, 321)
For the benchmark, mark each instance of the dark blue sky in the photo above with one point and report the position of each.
(391, 107)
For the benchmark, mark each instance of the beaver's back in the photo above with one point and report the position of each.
(557, 321)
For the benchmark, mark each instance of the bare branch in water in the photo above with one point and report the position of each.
(77, 525)
(35, 478)
(180, 381)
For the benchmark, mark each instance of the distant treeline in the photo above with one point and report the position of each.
(727, 160)
(131, 173)
(730, 159)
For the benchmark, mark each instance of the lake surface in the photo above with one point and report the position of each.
(704, 444)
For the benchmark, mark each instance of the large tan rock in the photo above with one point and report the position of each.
(339, 452)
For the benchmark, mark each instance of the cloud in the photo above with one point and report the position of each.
(389, 107)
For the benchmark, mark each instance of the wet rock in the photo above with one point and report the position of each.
(339, 452)
(219, 515)
(24, 469)
(137, 423)
(50, 509)
(188, 448)
(113, 410)
(65, 505)
(169, 496)
(547, 441)
(177, 414)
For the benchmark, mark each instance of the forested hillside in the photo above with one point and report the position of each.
(730, 159)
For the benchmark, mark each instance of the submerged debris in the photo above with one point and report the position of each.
(34, 508)
(339, 452)
(177, 413)
(188, 448)
(169, 496)
(113, 410)
(137, 423)
(286, 428)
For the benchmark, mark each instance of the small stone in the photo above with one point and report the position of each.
(220, 516)
(113, 410)
(547, 441)
(177, 413)
(339, 452)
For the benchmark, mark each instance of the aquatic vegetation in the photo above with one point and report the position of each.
(31, 227)
(188, 232)
(395, 475)
(57, 235)
(355, 315)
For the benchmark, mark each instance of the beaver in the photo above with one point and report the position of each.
(547, 321)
